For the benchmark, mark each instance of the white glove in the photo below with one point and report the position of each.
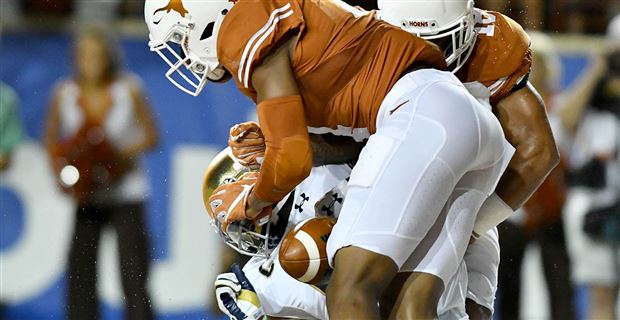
(236, 296)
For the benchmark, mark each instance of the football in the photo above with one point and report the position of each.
(303, 253)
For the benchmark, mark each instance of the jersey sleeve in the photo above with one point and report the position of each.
(501, 58)
(254, 29)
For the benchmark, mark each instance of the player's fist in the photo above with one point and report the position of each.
(229, 201)
(236, 296)
(247, 144)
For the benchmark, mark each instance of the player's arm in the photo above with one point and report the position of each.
(288, 155)
(332, 149)
(524, 121)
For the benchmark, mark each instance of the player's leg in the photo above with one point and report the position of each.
(128, 220)
(82, 302)
(390, 295)
(482, 260)
(476, 311)
(353, 292)
(451, 304)
(420, 292)
(439, 255)
(404, 176)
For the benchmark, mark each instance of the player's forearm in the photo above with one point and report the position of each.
(288, 154)
(525, 124)
(526, 172)
(524, 121)
(331, 149)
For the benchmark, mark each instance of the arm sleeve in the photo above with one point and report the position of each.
(518, 79)
(288, 155)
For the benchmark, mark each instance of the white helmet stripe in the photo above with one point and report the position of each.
(262, 30)
(259, 43)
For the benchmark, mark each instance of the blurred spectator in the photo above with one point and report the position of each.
(98, 127)
(593, 209)
(10, 125)
(539, 221)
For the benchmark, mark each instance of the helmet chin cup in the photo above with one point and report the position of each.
(216, 74)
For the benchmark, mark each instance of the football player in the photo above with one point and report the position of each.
(277, 294)
(321, 66)
(490, 54)
(262, 286)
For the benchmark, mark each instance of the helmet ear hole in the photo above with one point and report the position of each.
(208, 31)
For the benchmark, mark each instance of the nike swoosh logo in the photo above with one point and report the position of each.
(398, 107)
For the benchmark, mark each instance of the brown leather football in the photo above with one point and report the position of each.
(303, 253)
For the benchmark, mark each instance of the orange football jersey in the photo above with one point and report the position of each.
(501, 56)
(345, 61)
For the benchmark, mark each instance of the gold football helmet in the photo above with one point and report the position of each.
(243, 236)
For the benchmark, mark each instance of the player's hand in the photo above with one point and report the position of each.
(229, 202)
(236, 296)
(247, 143)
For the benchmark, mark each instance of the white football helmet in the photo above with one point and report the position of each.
(184, 33)
(244, 236)
(435, 19)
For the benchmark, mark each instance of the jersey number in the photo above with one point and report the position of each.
(486, 24)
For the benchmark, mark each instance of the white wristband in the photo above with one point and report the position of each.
(493, 212)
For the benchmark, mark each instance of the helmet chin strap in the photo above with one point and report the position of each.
(267, 267)
(217, 74)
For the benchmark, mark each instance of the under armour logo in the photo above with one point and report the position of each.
(273, 242)
(329, 209)
(299, 206)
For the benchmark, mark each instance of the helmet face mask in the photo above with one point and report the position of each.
(176, 55)
(462, 38)
(246, 238)
(451, 22)
(184, 34)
